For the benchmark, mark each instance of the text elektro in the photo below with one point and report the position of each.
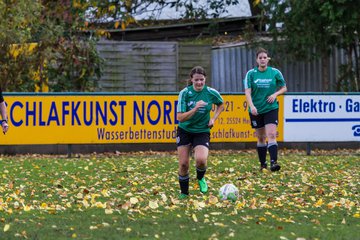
(300, 105)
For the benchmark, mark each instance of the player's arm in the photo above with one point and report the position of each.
(273, 96)
(250, 102)
(184, 116)
(3, 111)
(218, 111)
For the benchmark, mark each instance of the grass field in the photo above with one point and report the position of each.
(133, 196)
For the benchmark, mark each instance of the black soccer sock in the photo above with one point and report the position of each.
(273, 151)
(262, 151)
(184, 184)
(200, 172)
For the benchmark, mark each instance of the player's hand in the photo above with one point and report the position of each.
(5, 127)
(271, 98)
(200, 104)
(254, 111)
(211, 123)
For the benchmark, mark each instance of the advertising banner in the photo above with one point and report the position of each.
(113, 118)
(321, 118)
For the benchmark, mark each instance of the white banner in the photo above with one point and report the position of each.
(321, 118)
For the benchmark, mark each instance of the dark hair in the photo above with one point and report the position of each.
(195, 70)
(261, 50)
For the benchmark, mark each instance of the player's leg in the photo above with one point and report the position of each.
(201, 144)
(257, 122)
(183, 141)
(184, 161)
(271, 121)
(201, 154)
(261, 147)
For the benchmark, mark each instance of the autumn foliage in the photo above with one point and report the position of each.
(134, 195)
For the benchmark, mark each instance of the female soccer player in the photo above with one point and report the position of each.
(262, 85)
(193, 112)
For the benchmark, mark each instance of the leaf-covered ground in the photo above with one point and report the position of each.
(134, 195)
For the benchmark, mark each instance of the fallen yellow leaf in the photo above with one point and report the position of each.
(220, 224)
(194, 218)
(262, 219)
(153, 204)
(216, 213)
(108, 211)
(27, 208)
(319, 203)
(213, 200)
(6, 227)
(134, 200)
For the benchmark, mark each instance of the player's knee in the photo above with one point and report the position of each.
(201, 162)
(261, 138)
(201, 165)
(272, 136)
(184, 167)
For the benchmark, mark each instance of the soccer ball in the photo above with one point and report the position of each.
(229, 192)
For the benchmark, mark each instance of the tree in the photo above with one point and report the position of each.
(310, 29)
(71, 60)
(40, 42)
(17, 19)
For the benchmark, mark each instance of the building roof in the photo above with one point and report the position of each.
(175, 31)
(241, 9)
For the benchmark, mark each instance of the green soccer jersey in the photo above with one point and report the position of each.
(188, 98)
(262, 85)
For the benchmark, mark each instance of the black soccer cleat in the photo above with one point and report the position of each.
(275, 167)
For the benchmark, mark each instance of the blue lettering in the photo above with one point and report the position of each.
(101, 132)
(153, 122)
(306, 107)
(29, 113)
(295, 105)
(175, 113)
(41, 121)
(103, 114)
(65, 111)
(13, 121)
(122, 104)
(167, 111)
(74, 114)
(88, 122)
(54, 117)
(138, 112)
(351, 106)
(113, 113)
(92, 112)
(312, 106)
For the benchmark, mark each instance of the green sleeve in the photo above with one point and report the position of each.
(181, 107)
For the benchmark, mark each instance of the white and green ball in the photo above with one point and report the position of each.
(229, 192)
